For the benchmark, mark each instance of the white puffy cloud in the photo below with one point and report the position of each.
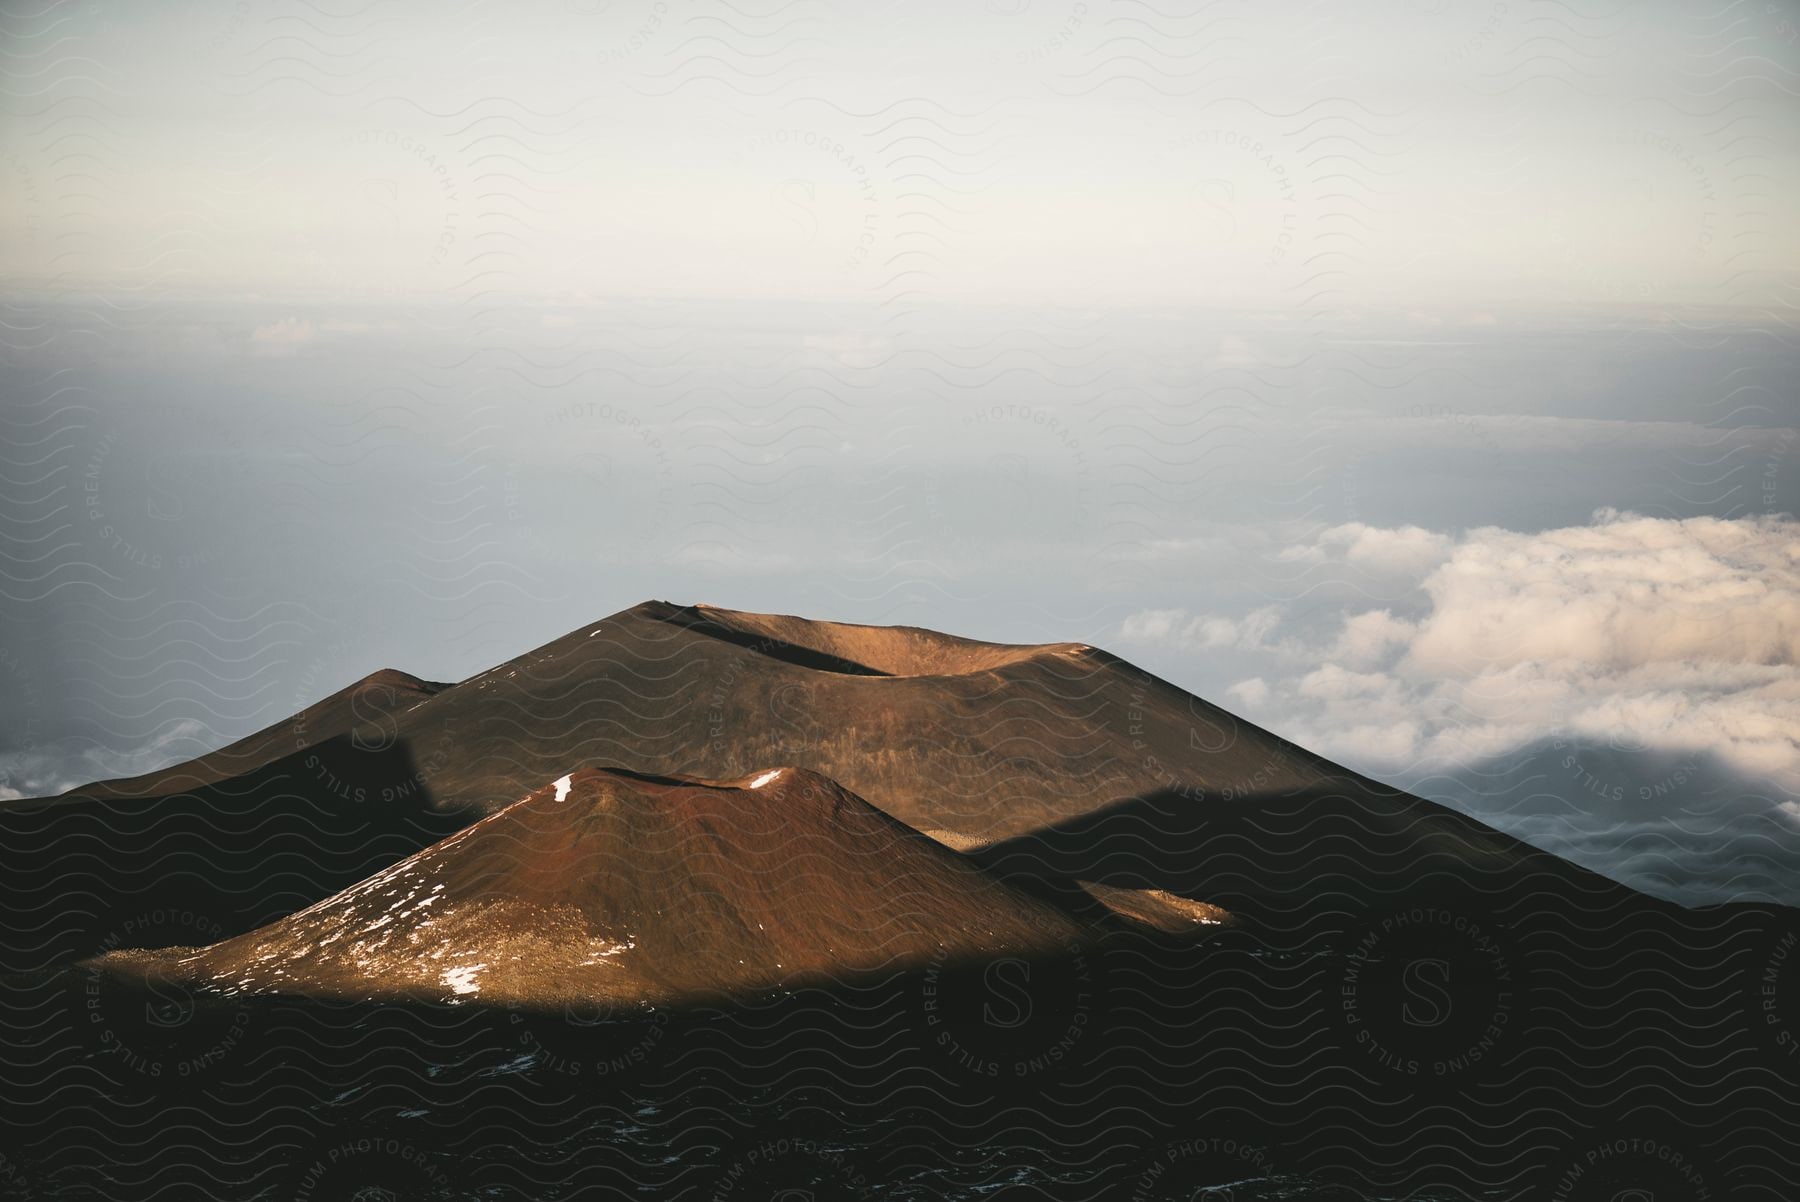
(1407, 551)
(1333, 683)
(1368, 638)
(1645, 633)
(1623, 592)
(1252, 692)
(1202, 632)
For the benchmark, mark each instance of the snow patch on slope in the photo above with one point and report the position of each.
(462, 979)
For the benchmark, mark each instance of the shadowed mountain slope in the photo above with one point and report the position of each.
(368, 704)
(81, 874)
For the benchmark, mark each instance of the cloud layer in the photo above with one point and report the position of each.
(1632, 631)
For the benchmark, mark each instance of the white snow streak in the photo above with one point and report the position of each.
(462, 980)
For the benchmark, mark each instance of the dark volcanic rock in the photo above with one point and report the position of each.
(466, 975)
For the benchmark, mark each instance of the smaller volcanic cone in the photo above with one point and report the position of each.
(611, 887)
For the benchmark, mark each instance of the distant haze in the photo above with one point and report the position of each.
(1415, 379)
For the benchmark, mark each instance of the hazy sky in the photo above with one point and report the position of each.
(1308, 157)
(1418, 379)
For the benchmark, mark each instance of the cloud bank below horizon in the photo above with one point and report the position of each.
(1636, 631)
(1625, 692)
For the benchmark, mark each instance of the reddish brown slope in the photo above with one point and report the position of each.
(609, 886)
(1050, 761)
(986, 742)
(858, 649)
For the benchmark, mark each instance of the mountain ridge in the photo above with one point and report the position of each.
(1049, 762)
